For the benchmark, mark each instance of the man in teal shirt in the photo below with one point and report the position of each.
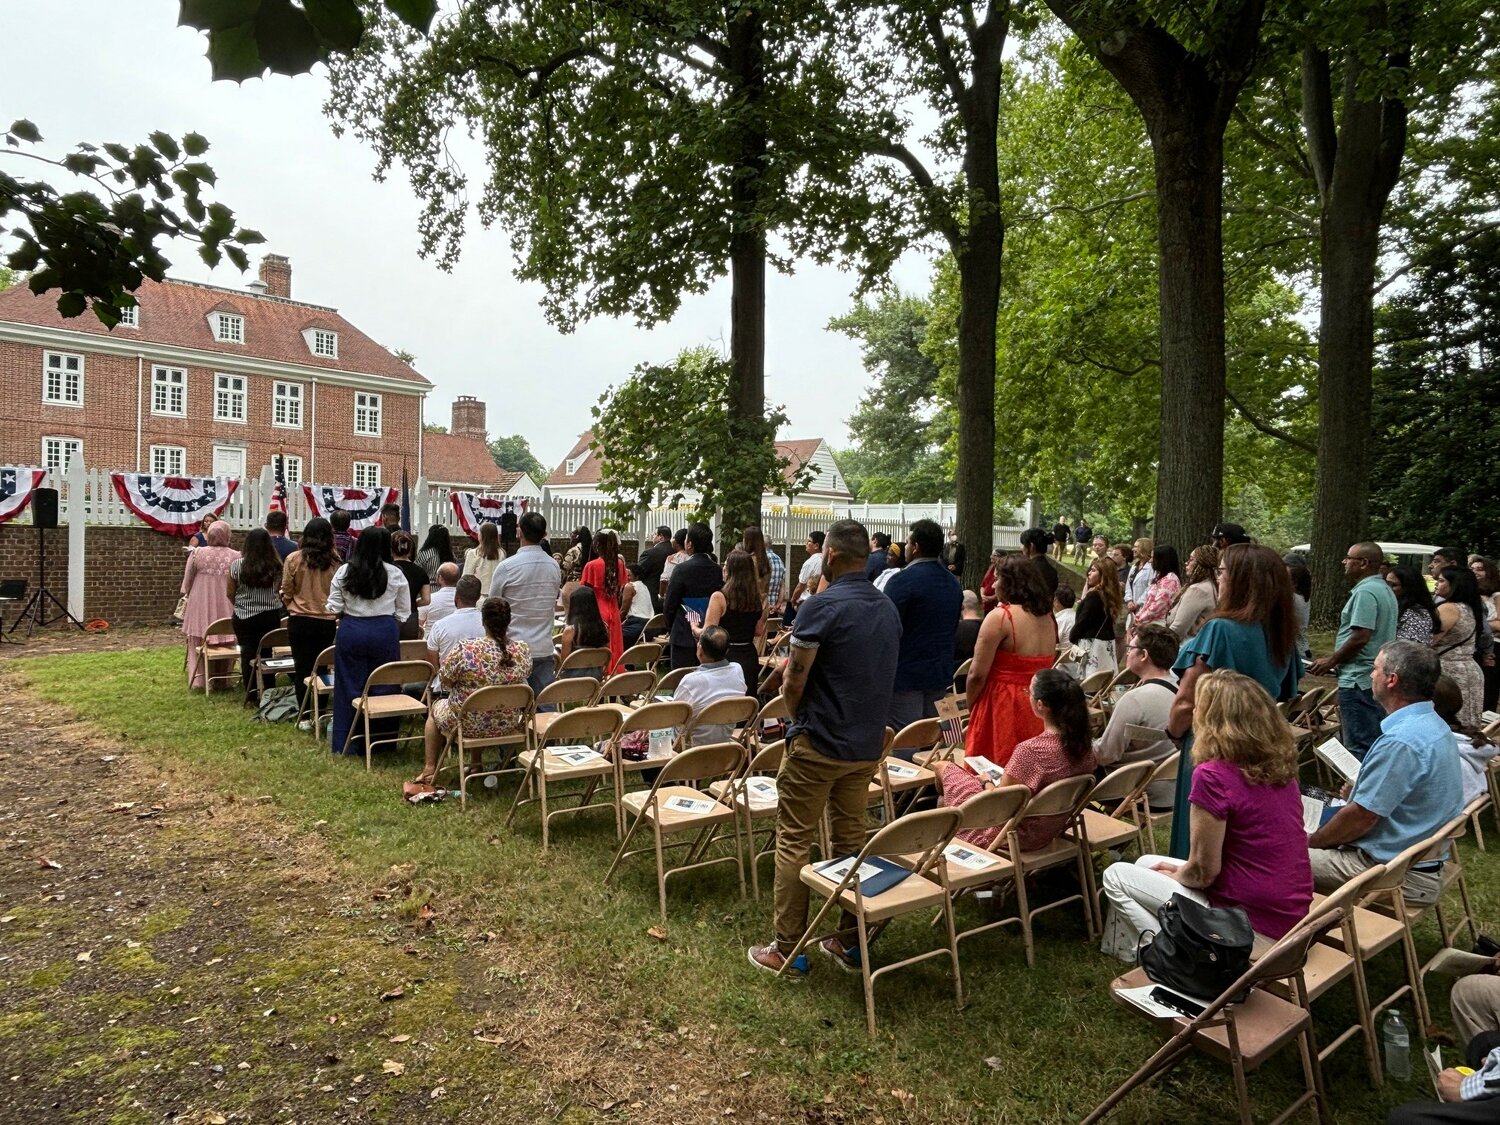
(1368, 622)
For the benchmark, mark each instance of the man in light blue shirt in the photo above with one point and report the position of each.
(1367, 622)
(1409, 786)
(530, 580)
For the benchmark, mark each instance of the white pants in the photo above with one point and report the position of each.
(1135, 893)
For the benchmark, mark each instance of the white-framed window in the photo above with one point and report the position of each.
(367, 413)
(229, 327)
(286, 405)
(168, 460)
(130, 318)
(57, 452)
(291, 467)
(62, 378)
(169, 391)
(229, 398)
(325, 343)
(367, 474)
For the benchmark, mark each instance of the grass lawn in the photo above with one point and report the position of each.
(1033, 1044)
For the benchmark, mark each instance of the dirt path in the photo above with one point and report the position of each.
(171, 953)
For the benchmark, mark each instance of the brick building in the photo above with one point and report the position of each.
(460, 459)
(207, 381)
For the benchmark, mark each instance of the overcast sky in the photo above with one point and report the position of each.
(113, 70)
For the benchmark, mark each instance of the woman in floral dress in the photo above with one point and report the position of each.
(493, 660)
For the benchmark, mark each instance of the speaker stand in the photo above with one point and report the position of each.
(37, 610)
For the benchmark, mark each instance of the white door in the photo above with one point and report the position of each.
(229, 462)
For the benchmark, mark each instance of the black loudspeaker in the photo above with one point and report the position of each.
(44, 507)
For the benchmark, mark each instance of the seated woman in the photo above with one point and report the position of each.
(1474, 749)
(1249, 848)
(585, 628)
(493, 660)
(1064, 749)
(403, 554)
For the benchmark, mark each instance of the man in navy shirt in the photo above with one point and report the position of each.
(837, 687)
(876, 559)
(929, 600)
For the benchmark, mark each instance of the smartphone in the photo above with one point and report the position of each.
(1176, 1003)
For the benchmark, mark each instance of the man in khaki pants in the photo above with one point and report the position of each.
(838, 684)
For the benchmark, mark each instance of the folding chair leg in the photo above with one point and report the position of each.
(958, 980)
(1166, 1057)
(623, 845)
(661, 870)
(1023, 908)
(864, 971)
(1241, 1086)
(1312, 1071)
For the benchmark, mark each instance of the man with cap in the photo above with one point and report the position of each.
(1227, 534)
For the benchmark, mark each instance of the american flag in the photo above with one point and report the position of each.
(278, 490)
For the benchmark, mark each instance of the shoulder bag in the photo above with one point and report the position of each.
(1199, 950)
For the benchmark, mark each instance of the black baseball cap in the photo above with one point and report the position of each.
(1230, 531)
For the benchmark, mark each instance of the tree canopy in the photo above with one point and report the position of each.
(513, 454)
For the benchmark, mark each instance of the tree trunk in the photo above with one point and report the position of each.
(1188, 153)
(747, 265)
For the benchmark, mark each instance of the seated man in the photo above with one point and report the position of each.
(464, 624)
(1475, 1003)
(441, 603)
(715, 678)
(1409, 786)
(1150, 656)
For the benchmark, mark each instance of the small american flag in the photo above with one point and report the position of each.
(278, 490)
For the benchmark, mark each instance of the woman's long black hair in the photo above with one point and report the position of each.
(589, 630)
(440, 541)
(260, 565)
(1414, 594)
(317, 544)
(1063, 697)
(366, 577)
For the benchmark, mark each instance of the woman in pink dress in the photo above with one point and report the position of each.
(205, 582)
(1165, 585)
(608, 577)
(1017, 640)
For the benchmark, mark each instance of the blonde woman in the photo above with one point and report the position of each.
(483, 560)
(1249, 848)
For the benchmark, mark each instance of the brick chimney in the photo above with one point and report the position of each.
(276, 272)
(468, 418)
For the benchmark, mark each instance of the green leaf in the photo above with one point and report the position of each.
(194, 144)
(233, 53)
(338, 22)
(71, 304)
(417, 14)
(238, 257)
(286, 40)
(117, 152)
(166, 144)
(216, 15)
(25, 130)
(247, 237)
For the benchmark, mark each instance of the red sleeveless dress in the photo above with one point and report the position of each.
(1002, 718)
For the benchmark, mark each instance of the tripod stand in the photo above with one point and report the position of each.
(37, 610)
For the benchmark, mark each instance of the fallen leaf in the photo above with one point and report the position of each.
(8, 918)
(400, 1038)
(266, 799)
(901, 1095)
(495, 1039)
(84, 957)
(217, 1119)
(243, 1066)
(438, 1092)
(52, 863)
(994, 1062)
(657, 932)
(393, 994)
(121, 806)
(425, 912)
(357, 1079)
(391, 1066)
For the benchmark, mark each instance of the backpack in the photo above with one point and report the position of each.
(278, 705)
(1199, 950)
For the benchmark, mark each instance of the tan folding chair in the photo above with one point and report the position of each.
(673, 807)
(657, 624)
(1100, 831)
(625, 690)
(278, 663)
(1472, 812)
(414, 650)
(904, 780)
(1166, 770)
(393, 705)
(591, 660)
(642, 657)
(669, 716)
(922, 835)
(1095, 682)
(961, 678)
(754, 797)
(1062, 798)
(735, 711)
(667, 682)
(565, 753)
(1452, 876)
(1243, 1035)
(319, 690)
(214, 649)
(497, 697)
(576, 691)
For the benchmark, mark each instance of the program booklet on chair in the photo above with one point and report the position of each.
(575, 755)
(876, 875)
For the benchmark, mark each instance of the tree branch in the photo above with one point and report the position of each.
(1446, 244)
(945, 60)
(1133, 197)
(1103, 365)
(1266, 428)
(1317, 117)
(944, 223)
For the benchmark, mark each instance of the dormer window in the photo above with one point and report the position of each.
(573, 462)
(229, 328)
(131, 317)
(322, 342)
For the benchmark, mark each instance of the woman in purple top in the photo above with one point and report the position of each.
(1249, 848)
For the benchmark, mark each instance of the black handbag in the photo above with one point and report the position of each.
(1199, 950)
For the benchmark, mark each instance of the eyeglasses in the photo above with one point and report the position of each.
(1221, 570)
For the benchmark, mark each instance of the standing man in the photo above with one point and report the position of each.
(652, 562)
(508, 528)
(1366, 624)
(838, 690)
(530, 580)
(1082, 533)
(276, 525)
(877, 560)
(1227, 535)
(693, 581)
(390, 517)
(1060, 537)
(811, 570)
(954, 554)
(929, 601)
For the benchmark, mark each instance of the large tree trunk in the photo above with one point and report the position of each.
(747, 266)
(1189, 161)
(1356, 168)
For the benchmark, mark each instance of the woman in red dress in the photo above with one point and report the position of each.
(1017, 640)
(608, 577)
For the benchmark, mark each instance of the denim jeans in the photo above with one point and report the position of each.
(543, 672)
(1361, 717)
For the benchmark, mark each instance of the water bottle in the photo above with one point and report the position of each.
(1397, 1046)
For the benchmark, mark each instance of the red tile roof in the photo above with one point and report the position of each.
(467, 461)
(177, 312)
(798, 451)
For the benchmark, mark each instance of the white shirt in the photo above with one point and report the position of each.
(707, 684)
(460, 625)
(529, 580)
(439, 607)
(640, 604)
(1065, 621)
(885, 576)
(395, 602)
(811, 569)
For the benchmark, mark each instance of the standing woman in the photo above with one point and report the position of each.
(437, 549)
(608, 577)
(1094, 621)
(1165, 584)
(1488, 576)
(370, 597)
(254, 586)
(1416, 613)
(482, 560)
(200, 537)
(1017, 640)
(988, 598)
(203, 584)
(1296, 569)
(580, 554)
(770, 571)
(1456, 638)
(306, 577)
(1198, 597)
(738, 608)
(1254, 632)
(403, 546)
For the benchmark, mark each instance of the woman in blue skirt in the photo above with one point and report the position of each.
(370, 597)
